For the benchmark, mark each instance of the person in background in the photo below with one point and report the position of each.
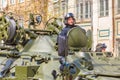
(104, 47)
(101, 47)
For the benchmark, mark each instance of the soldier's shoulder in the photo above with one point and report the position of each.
(65, 28)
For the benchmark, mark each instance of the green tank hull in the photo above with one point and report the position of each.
(33, 55)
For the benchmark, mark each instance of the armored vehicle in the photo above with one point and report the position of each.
(32, 54)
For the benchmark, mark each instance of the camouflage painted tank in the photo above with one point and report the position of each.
(31, 54)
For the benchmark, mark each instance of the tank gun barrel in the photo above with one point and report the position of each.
(9, 53)
(7, 47)
(54, 25)
(96, 74)
(30, 33)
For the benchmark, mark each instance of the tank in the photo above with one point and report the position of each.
(32, 54)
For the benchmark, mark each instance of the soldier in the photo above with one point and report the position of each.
(69, 22)
(104, 47)
(100, 47)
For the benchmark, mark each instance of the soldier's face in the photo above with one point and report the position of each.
(70, 21)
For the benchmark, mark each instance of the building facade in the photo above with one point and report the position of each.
(106, 24)
(57, 8)
(101, 16)
(103, 23)
(82, 9)
(116, 26)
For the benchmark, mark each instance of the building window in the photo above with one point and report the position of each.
(12, 1)
(64, 7)
(4, 3)
(55, 1)
(83, 9)
(60, 8)
(118, 6)
(79, 9)
(104, 8)
(86, 9)
(20, 1)
(56, 9)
